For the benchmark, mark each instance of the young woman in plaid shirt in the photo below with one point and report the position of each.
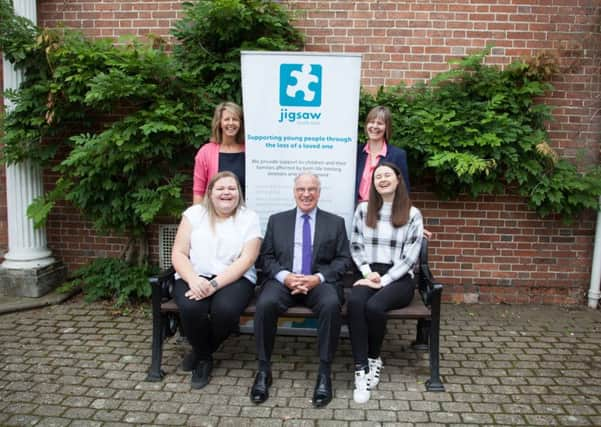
(385, 244)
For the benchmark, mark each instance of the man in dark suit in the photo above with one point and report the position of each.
(304, 254)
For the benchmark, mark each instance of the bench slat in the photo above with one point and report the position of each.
(415, 310)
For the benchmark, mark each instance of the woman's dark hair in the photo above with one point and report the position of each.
(401, 204)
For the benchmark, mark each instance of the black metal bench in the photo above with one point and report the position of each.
(425, 308)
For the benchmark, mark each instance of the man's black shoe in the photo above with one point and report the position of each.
(200, 374)
(322, 395)
(190, 361)
(260, 389)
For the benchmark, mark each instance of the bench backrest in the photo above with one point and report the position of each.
(423, 277)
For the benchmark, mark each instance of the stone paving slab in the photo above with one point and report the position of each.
(10, 304)
(76, 364)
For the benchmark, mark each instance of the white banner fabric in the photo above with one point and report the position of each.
(300, 114)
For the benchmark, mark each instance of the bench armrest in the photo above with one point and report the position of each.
(429, 289)
(163, 283)
(162, 289)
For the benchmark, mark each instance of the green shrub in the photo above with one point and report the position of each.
(111, 278)
(212, 34)
(477, 129)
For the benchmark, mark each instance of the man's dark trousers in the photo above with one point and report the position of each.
(276, 298)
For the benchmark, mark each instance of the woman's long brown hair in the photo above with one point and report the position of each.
(401, 204)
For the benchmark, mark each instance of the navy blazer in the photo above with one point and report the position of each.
(331, 253)
(394, 155)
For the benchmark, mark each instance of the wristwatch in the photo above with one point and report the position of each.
(214, 283)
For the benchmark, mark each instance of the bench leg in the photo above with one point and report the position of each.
(158, 322)
(422, 335)
(155, 373)
(434, 383)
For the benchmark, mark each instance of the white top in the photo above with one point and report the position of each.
(213, 250)
(399, 246)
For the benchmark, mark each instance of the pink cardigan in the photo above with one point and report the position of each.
(206, 165)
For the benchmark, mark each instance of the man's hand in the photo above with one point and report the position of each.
(369, 283)
(300, 283)
(291, 281)
(306, 283)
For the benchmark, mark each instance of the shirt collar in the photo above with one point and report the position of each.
(383, 150)
(312, 213)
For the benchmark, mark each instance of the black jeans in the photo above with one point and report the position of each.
(208, 322)
(367, 309)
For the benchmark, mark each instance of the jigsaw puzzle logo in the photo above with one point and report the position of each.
(300, 85)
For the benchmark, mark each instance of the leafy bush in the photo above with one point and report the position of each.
(111, 278)
(477, 129)
(213, 33)
(16, 33)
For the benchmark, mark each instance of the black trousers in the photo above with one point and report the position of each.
(367, 309)
(275, 299)
(208, 322)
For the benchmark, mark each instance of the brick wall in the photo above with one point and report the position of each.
(111, 18)
(492, 249)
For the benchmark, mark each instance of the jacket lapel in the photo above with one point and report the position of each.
(320, 229)
(289, 231)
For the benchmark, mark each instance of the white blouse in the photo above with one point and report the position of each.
(212, 250)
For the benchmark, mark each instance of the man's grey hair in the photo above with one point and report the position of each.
(308, 173)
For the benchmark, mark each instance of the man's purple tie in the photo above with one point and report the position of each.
(307, 252)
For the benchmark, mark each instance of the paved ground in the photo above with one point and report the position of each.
(82, 365)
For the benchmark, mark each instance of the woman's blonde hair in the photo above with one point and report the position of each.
(209, 202)
(383, 113)
(216, 132)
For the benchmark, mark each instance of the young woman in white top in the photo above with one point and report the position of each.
(385, 244)
(214, 254)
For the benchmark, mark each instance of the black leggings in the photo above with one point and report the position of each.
(208, 322)
(367, 309)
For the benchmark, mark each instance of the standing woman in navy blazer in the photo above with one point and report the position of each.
(378, 129)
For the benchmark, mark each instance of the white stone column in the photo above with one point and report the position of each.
(26, 244)
(28, 268)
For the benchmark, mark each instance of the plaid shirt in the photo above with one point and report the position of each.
(399, 246)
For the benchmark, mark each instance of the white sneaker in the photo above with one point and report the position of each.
(375, 366)
(361, 393)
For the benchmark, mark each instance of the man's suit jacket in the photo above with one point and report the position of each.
(331, 252)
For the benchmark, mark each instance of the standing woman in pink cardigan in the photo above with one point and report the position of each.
(224, 151)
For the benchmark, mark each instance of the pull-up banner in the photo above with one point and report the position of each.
(300, 114)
